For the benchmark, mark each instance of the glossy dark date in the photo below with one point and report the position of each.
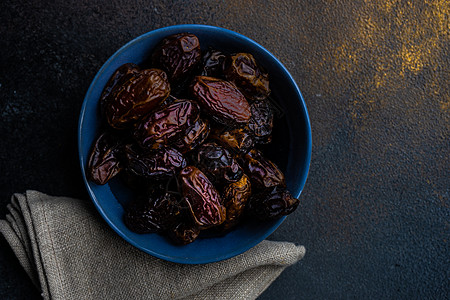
(272, 203)
(184, 232)
(178, 55)
(137, 94)
(221, 100)
(262, 172)
(202, 198)
(238, 140)
(118, 78)
(160, 163)
(104, 160)
(164, 126)
(235, 197)
(213, 63)
(217, 163)
(243, 70)
(194, 136)
(261, 122)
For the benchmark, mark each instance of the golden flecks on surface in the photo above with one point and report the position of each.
(393, 43)
(388, 5)
(382, 73)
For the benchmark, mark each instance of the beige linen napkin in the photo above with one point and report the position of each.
(69, 252)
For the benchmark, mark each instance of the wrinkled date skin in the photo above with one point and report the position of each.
(238, 140)
(195, 135)
(165, 125)
(243, 70)
(184, 232)
(217, 163)
(161, 163)
(213, 63)
(155, 212)
(202, 198)
(222, 100)
(104, 161)
(178, 55)
(261, 121)
(117, 79)
(262, 172)
(271, 203)
(235, 197)
(137, 94)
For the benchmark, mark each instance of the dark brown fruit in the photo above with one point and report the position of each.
(167, 124)
(272, 203)
(178, 55)
(104, 161)
(202, 198)
(194, 136)
(262, 172)
(235, 197)
(221, 100)
(261, 122)
(161, 163)
(243, 70)
(217, 163)
(213, 63)
(237, 140)
(184, 232)
(136, 94)
(155, 212)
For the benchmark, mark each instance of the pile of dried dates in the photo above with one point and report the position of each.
(183, 135)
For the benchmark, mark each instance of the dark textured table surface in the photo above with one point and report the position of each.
(374, 214)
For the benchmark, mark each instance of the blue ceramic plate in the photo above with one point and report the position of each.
(290, 149)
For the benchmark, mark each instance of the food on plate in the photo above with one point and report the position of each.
(243, 70)
(187, 135)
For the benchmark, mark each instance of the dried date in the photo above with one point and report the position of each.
(235, 197)
(165, 125)
(217, 163)
(104, 161)
(272, 203)
(261, 122)
(195, 135)
(184, 232)
(202, 198)
(154, 212)
(178, 55)
(161, 163)
(138, 94)
(121, 75)
(213, 63)
(238, 140)
(243, 70)
(262, 172)
(221, 100)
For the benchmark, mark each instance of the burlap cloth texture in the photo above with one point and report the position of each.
(69, 252)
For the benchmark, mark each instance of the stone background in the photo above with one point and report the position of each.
(374, 214)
